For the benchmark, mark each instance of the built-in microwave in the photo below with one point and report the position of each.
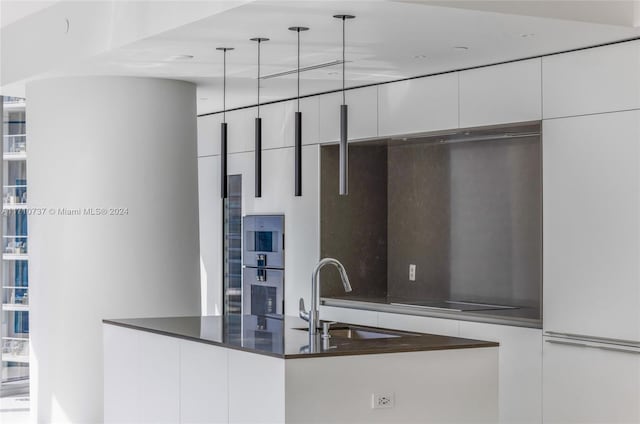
(263, 241)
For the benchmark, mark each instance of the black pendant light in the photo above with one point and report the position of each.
(258, 144)
(223, 126)
(344, 147)
(298, 125)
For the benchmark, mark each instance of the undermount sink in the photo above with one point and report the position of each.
(352, 333)
(359, 333)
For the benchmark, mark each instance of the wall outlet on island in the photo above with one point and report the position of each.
(412, 272)
(383, 400)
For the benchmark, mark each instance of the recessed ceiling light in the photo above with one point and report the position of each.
(461, 48)
(181, 57)
(420, 56)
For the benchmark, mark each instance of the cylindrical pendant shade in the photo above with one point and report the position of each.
(223, 160)
(258, 158)
(298, 154)
(344, 152)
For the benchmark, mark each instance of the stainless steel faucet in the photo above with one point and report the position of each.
(313, 315)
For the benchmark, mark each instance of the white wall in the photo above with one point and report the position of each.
(106, 143)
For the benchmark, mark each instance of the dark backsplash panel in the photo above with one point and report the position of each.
(353, 228)
(496, 222)
(467, 214)
(418, 220)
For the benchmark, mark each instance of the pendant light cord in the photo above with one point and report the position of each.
(224, 86)
(298, 70)
(344, 101)
(259, 77)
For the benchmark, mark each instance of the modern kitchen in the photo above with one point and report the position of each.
(330, 212)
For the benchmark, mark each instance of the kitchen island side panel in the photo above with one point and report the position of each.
(429, 387)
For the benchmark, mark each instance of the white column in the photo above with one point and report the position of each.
(127, 146)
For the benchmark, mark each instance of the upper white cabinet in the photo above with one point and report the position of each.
(603, 79)
(417, 105)
(501, 94)
(363, 114)
(591, 225)
(278, 126)
(278, 123)
(240, 130)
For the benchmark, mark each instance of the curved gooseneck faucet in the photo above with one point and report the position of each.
(313, 315)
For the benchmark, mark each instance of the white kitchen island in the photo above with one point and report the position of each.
(247, 369)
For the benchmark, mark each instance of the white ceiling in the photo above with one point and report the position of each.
(388, 40)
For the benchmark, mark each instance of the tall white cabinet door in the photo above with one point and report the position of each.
(363, 114)
(417, 105)
(501, 94)
(590, 385)
(591, 225)
(520, 368)
(603, 79)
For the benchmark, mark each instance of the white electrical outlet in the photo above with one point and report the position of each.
(412, 272)
(382, 400)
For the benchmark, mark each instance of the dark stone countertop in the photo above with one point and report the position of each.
(281, 337)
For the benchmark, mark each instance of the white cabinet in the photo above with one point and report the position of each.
(439, 386)
(591, 225)
(363, 114)
(417, 105)
(162, 379)
(501, 94)
(203, 383)
(585, 384)
(240, 130)
(141, 377)
(603, 79)
(277, 127)
(256, 388)
(278, 122)
(520, 365)
(443, 327)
